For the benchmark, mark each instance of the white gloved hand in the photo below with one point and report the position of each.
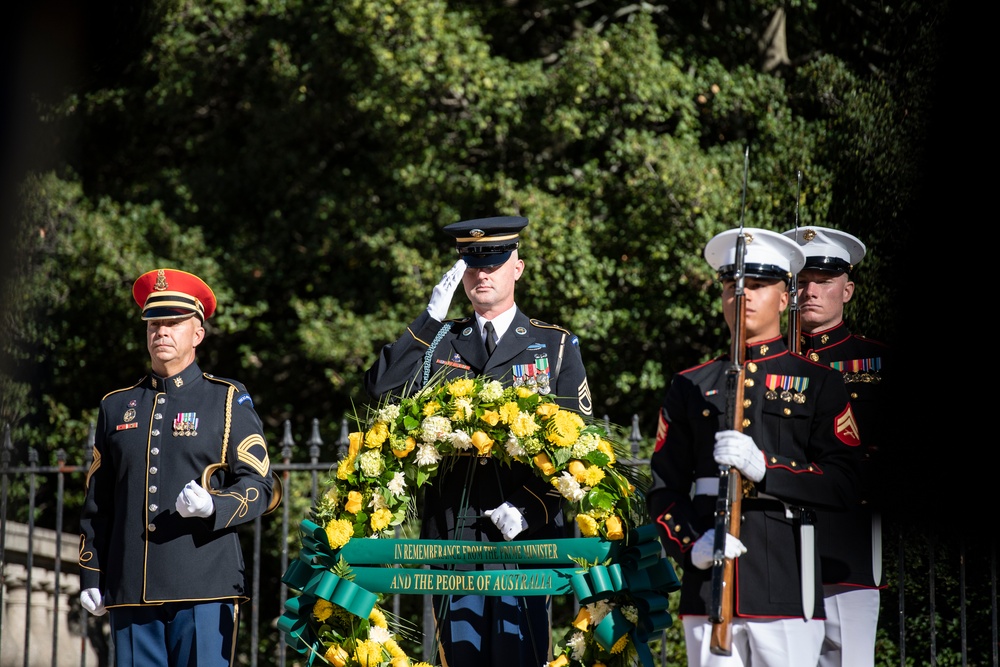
(738, 450)
(704, 548)
(93, 601)
(194, 501)
(444, 291)
(508, 519)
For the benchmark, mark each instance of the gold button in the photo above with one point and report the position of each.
(705, 413)
(746, 423)
(787, 412)
(748, 382)
(854, 394)
(752, 367)
(747, 403)
(814, 356)
(686, 540)
(793, 464)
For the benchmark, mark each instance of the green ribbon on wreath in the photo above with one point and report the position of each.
(311, 574)
(646, 577)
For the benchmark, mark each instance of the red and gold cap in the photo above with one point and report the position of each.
(168, 294)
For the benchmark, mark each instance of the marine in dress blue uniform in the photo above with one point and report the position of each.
(799, 436)
(157, 550)
(479, 629)
(850, 541)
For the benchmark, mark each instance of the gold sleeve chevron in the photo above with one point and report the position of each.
(253, 452)
(94, 465)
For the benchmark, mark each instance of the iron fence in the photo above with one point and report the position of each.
(939, 606)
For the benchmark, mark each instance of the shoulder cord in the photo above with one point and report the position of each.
(229, 420)
(430, 350)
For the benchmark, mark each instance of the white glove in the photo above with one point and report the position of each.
(508, 519)
(738, 450)
(704, 548)
(194, 501)
(93, 601)
(444, 290)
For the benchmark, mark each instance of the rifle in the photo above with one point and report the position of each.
(729, 501)
(794, 325)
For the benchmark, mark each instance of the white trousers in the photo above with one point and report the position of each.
(781, 642)
(851, 622)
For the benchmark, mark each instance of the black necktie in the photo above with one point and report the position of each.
(491, 343)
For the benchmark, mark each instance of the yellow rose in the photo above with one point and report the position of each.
(336, 656)
(561, 661)
(614, 526)
(401, 453)
(377, 435)
(578, 469)
(491, 417)
(544, 464)
(546, 410)
(587, 524)
(353, 502)
(582, 620)
(354, 444)
(482, 442)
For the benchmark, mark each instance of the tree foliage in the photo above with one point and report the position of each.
(304, 156)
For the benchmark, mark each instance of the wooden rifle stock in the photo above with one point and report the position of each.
(729, 502)
(728, 509)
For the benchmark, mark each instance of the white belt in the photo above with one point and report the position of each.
(709, 486)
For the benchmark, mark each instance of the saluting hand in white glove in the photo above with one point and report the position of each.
(444, 291)
(738, 450)
(508, 519)
(93, 601)
(194, 501)
(704, 548)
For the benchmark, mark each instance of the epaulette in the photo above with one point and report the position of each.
(118, 391)
(460, 320)
(546, 325)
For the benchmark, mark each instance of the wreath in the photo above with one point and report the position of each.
(402, 445)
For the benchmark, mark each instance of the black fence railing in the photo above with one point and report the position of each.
(939, 606)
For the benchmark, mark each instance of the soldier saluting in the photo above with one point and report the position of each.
(480, 499)
(158, 551)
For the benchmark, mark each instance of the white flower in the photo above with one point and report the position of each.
(388, 414)
(585, 444)
(461, 440)
(370, 462)
(578, 645)
(514, 447)
(378, 502)
(569, 488)
(463, 406)
(397, 484)
(435, 428)
(427, 455)
(491, 391)
(380, 635)
(630, 613)
(598, 610)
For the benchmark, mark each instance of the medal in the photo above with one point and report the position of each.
(186, 423)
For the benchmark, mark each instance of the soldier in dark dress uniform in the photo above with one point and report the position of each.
(157, 550)
(476, 498)
(797, 448)
(850, 541)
